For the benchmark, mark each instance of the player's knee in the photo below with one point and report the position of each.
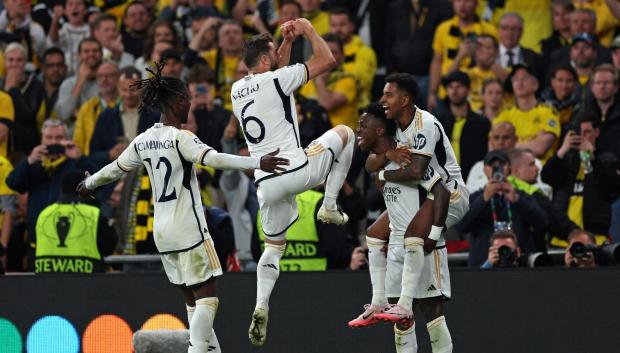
(374, 231)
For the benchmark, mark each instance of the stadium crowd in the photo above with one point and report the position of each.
(527, 91)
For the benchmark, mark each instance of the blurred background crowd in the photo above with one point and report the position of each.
(526, 90)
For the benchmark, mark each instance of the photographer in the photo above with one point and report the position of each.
(504, 251)
(584, 179)
(499, 206)
(39, 175)
(585, 241)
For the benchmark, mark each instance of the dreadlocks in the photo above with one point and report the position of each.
(159, 92)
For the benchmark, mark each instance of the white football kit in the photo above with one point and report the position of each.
(180, 228)
(265, 107)
(402, 200)
(425, 136)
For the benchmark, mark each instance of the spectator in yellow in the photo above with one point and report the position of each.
(7, 116)
(359, 59)
(225, 58)
(537, 125)
(335, 90)
(607, 13)
(318, 18)
(463, 27)
(8, 201)
(107, 82)
(492, 97)
(486, 67)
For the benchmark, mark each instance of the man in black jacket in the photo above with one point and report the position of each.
(584, 179)
(467, 130)
(524, 176)
(511, 52)
(500, 206)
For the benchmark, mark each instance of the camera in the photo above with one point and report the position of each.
(497, 173)
(604, 255)
(507, 257)
(55, 149)
(539, 259)
(472, 36)
(201, 89)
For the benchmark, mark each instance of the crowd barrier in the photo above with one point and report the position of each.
(517, 310)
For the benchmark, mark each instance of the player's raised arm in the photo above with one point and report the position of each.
(322, 60)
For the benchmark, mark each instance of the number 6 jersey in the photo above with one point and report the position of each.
(169, 155)
(265, 107)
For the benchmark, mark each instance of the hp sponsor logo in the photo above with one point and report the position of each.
(419, 142)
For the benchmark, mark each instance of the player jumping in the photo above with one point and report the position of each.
(265, 107)
(180, 228)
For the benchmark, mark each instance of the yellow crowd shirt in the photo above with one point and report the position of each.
(360, 61)
(528, 124)
(225, 72)
(457, 132)
(345, 84)
(7, 117)
(319, 20)
(5, 169)
(87, 120)
(606, 22)
(477, 76)
(537, 17)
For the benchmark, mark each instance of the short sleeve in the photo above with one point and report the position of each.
(438, 38)
(129, 159)
(292, 77)
(551, 123)
(431, 177)
(192, 148)
(7, 111)
(423, 136)
(347, 87)
(502, 117)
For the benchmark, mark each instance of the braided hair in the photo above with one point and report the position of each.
(161, 93)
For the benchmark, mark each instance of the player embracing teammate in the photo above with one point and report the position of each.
(423, 156)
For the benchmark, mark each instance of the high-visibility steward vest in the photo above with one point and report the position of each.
(67, 239)
(303, 251)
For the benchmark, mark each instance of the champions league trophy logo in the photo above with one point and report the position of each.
(63, 225)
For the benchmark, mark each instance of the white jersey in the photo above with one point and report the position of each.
(425, 136)
(169, 155)
(265, 107)
(402, 201)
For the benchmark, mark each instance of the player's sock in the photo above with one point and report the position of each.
(267, 273)
(201, 327)
(190, 313)
(441, 341)
(412, 270)
(405, 341)
(377, 262)
(214, 344)
(339, 172)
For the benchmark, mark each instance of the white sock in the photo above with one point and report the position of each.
(201, 326)
(377, 262)
(214, 344)
(405, 341)
(267, 273)
(339, 172)
(441, 341)
(412, 270)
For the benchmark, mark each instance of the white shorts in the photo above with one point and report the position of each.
(459, 205)
(435, 279)
(276, 195)
(193, 266)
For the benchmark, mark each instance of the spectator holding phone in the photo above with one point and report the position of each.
(584, 179)
(39, 175)
(500, 206)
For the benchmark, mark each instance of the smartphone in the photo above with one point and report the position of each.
(55, 149)
(201, 89)
(472, 36)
